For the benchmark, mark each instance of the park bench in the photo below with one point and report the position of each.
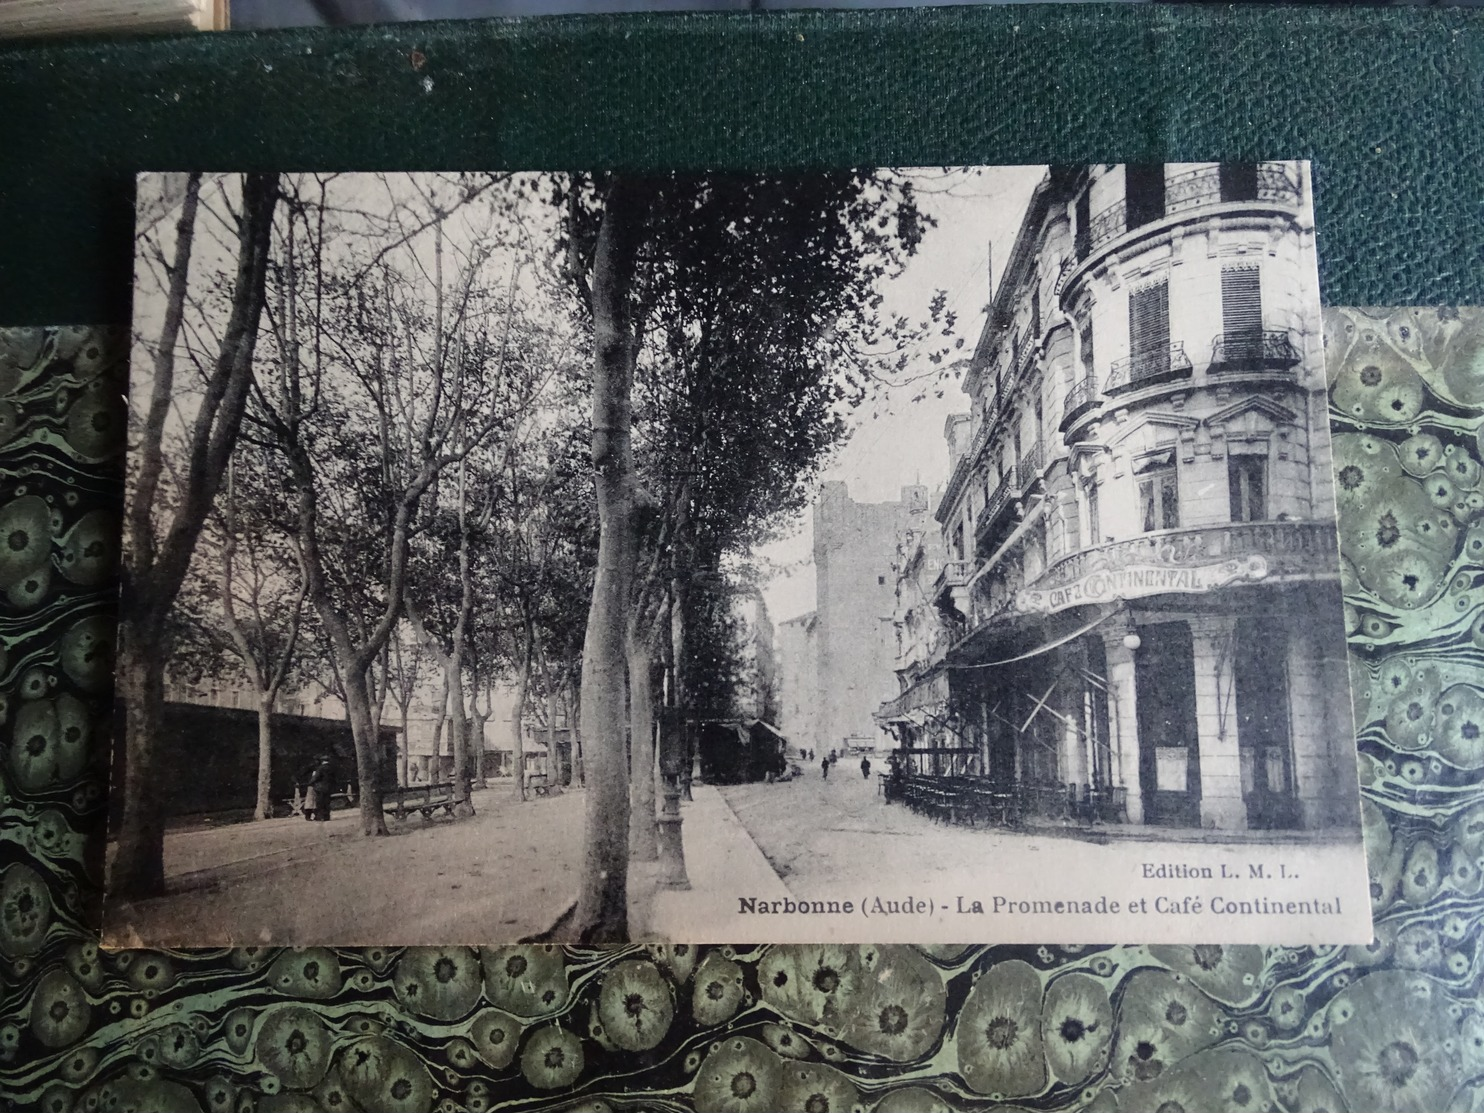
(539, 784)
(402, 800)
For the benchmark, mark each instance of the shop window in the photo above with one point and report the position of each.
(1247, 479)
(1159, 495)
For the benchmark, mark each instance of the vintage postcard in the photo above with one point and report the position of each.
(928, 555)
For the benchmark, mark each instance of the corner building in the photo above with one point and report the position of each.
(1141, 587)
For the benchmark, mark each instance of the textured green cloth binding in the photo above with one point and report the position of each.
(1387, 102)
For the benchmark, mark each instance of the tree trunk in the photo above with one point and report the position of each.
(518, 714)
(458, 736)
(436, 766)
(264, 808)
(643, 831)
(402, 748)
(157, 557)
(481, 779)
(564, 767)
(602, 906)
(358, 708)
(139, 860)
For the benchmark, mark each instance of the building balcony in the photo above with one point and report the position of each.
(1025, 357)
(954, 573)
(1268, 182)
(1266, 350)
(1001, 503)
(1083, 400)
(1148, 368)
(1031, 465)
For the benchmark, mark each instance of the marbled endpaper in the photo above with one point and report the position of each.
(1393, 1026)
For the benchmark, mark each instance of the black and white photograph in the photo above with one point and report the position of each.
(901, 555)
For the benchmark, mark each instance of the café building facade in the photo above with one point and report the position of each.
(1139, 597)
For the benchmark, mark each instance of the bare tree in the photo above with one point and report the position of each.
(165, 519)
(265, 638)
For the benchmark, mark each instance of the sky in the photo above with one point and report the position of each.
(896, 441)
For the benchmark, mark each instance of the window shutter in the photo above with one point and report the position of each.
(1241, 301)
(1149, 320)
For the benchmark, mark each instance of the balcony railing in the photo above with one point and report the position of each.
(999, 501)
(1025, 356)
(1081, 399)
(1107, 225)
(1032, 464)
(1191, 189)
(1158, 365)
(1267, 350)
(954, 573)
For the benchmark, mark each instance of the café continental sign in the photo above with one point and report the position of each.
(1135, 589)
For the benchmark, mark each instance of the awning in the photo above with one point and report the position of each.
(927, 695)
(1046, 647)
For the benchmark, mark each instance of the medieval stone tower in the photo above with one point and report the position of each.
(855, 545)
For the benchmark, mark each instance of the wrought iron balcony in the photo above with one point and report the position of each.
(1001, 500)
(1157, 365)
(1083, 398)
(1265, 350)
(1032, 464)
(1274, 183)
(1107, 225)
(1189, 190)
(1025, 357)
(1271, 182)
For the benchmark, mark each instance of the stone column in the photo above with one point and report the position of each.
(1222, 806)
(1068, 701)
(1123, 720)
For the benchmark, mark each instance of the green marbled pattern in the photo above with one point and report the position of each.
(1394, 1026)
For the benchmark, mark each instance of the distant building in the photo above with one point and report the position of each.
(839, 660)
(1141, 601)
(798, 686)
(757, 691)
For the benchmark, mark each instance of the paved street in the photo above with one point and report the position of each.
(507, 872)
(838, 839)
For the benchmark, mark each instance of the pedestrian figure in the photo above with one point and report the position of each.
(834, 756)
(824, 767)
(866, 768)
(317, 791)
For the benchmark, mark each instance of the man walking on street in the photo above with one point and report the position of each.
(866, 768)
(824, 766)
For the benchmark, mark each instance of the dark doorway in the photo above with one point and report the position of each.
(1169, 750)
(1263, 739)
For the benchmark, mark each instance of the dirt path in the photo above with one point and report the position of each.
(507, 872)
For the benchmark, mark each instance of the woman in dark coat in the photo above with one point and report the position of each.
(317, 795)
